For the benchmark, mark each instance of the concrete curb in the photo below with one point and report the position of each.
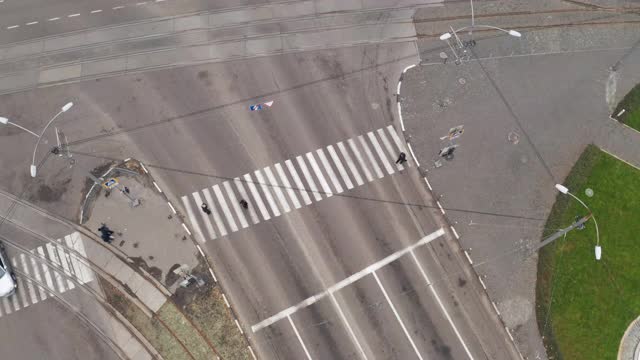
(446, 219)
(629, 348)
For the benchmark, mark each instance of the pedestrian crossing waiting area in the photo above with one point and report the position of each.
(219, 210)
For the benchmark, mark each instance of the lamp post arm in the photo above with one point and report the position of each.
(23, 128)
(33, 159)
(594, 218)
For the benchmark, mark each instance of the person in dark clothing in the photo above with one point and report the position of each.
(244, 204)
(402, 158)
(206, 209)
(126, 189)
(106, 233)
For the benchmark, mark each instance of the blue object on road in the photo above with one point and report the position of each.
(255, 107)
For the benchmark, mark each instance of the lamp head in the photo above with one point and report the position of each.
(4, 120)
(514, 33)
(445, 36)
(34, 170)
(67, 106)
(598, 252)
(563, 189)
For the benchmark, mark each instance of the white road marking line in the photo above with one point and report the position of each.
(62, 256)
(81, 268)
(45, 270)
(1, 312)
(413, 154)
(316, 170)
(455, 232)
(256, 197)
(20, 294)
(160, 0)
(381, 155)
(73, 15)
(172, 208)
(32, 290)
(435, 295)
(482, 282)
(348, 326)
(205, 217)
(235, 204)
(250, 349)
(213, 275)
(239, 327)
(350, 164)
(225, 208)
(495, 308)
(117, 7)
(428, 184)
(141, 3)
(157, 187)
(363, 165)
(95, 12)
(387, 145)
(226, 301)
(184, 226)
(304, 347)
(12, 27)
(287, 185)
(222, 229)
(468, 257)
(200, 250)
(31, 23)
(244, 195)
(36, 272)
(372, 159)
(307, 176)
(54, 258)
(192, 219)
(298, 182)
(329, 170)
(267, 193)
(6, 305)
(341, 170)
(276, 188)
(396, 139)
(395, 312)
(345, 282)
(54, 19)
(440, 206)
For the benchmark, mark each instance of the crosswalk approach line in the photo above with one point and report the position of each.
(27, 271)
(296, 180)
(287, 185)
(399, 144)
(53, 257)
(256, 197)
(267, 193)
(243, 193)
(307, 176)
(316, 170)
(329, 170)
(192, 218)
(38, 277)
(390, 150)
(370, 156)
(222, 229)
(205, 217)
(380, 152)
(45, 270)
(225, 208)
(363, 165)
(235, 204)
(62, 256)
(341, 170)
(350, 164)
(277, 190)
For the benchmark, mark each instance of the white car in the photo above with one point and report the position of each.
(8, 282)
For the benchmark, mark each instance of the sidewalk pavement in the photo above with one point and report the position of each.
(150, 235)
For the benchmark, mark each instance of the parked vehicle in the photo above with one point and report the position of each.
(8, 283)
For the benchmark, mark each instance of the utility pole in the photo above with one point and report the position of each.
(561, 232)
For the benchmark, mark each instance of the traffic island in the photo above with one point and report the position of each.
(584, 306)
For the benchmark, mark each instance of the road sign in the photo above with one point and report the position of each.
(110, 183)
(257, 107)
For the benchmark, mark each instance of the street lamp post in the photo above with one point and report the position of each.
(563, 189)
(5, 121)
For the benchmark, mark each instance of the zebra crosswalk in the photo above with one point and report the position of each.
(49, 278)
(282, 188)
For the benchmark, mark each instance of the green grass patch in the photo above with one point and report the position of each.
(183, 329)
(583, 305)
(631, 103)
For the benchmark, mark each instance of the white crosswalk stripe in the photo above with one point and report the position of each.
(33, 287)
(329, 170)
(274, 190)
(214, 212)
(316, 170)
(380, 152)
(277, 190)
(267, 193)
(225, 208)
(341, 169)
(256, 197)
(363, 165)
(244, 195)
(369, 154)
(392, 153)
(296, 180)
(287, 185)
(350, 164)
(236, 204)
(307, 176)
(205, 217)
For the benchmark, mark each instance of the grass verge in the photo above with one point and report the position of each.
(631, 103)
(583, 306)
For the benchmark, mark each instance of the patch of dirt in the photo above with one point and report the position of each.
(171, 277)
(154, 271)
(48, 193)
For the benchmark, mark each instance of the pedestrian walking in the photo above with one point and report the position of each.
(244, 204)
(206, 209)
(402, 158)
(126, 189)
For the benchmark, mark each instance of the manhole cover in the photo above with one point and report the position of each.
(462, 81)
(514, 137)
(588, 192)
